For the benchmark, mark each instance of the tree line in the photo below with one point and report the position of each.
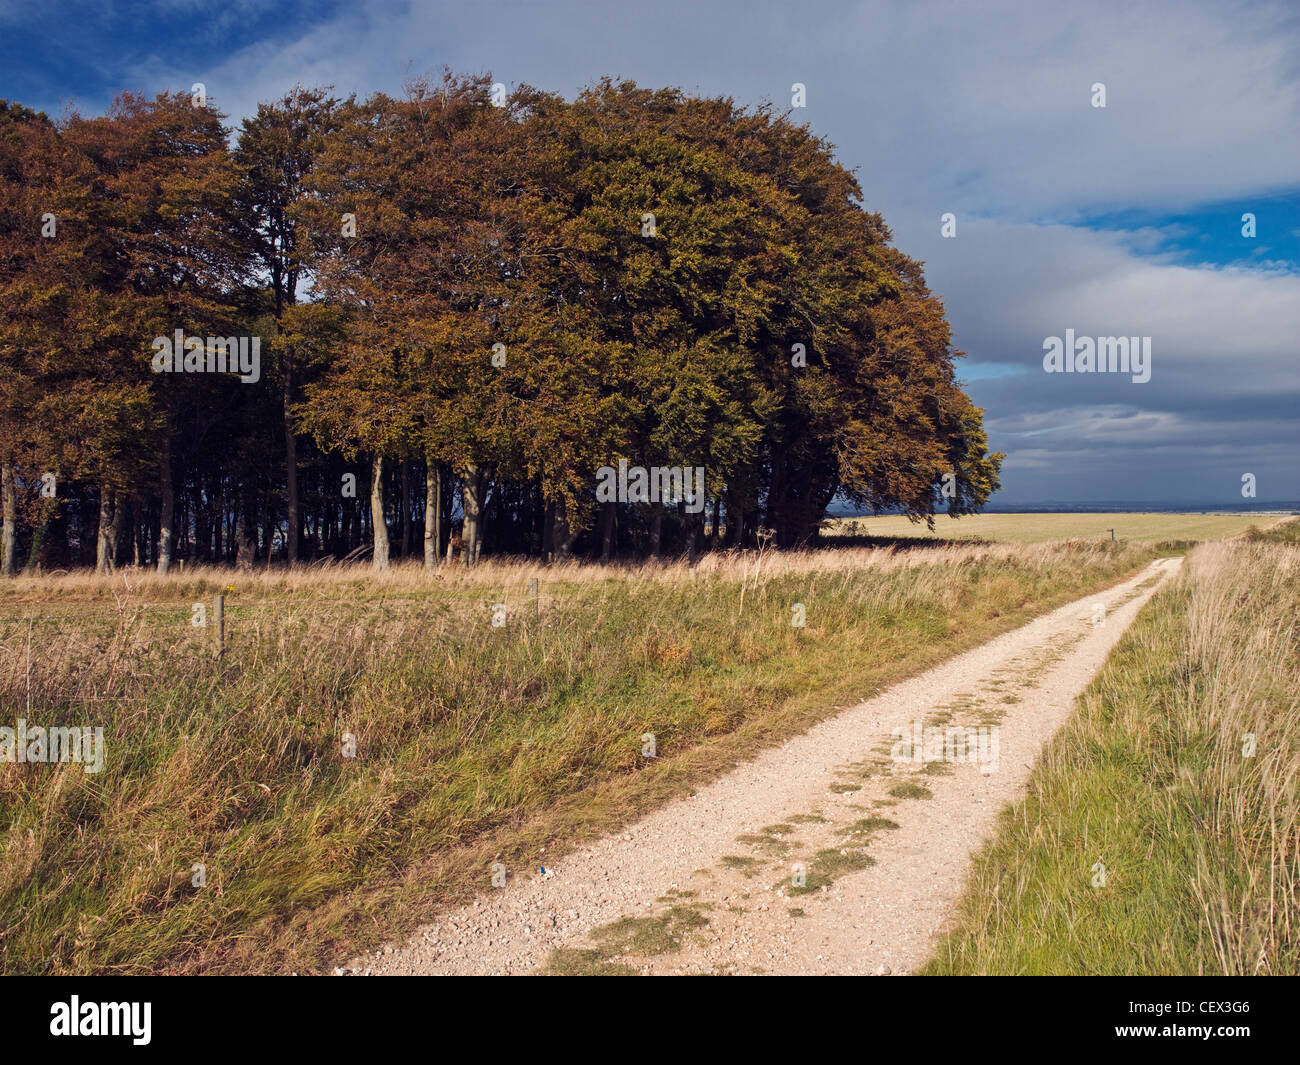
(466, 307)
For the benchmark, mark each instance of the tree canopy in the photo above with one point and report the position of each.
(469, 304)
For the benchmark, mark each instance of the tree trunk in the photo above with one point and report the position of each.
(245, 536)
(290, 464)
(120, 513)
(691, 524)
(562, 537)
(106, 534)
(380, 558)
(607, 520)
(9, 537)
(656, 530)
(779, 507)
(166, 520)
(219, 534)
(137, 540)
(548, 531)
(405, 510)
(735, 522)
(38, 539)
(269, 528)
(717, 514)
(432, 512)
(472, 493)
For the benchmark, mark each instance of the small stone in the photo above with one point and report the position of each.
(882, 970)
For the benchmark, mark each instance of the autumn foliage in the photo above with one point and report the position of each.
(468, 304)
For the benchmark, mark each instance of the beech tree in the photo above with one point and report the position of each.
(277, 150)
(471, 307)
(33, 293)
(163, 254)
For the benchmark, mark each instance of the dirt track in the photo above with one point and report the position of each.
(709, 876)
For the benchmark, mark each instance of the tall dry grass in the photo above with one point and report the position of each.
(474, 743)
(1181, 774)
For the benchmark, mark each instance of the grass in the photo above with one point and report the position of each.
(636, 936)
(572, 961)
(741, 863)
(835, 862)
(767, 841)
(1154, 779)
(867, 825)
(826, 867)
(1042, 528)
(474, 744)
(811, 882)
(649, 935)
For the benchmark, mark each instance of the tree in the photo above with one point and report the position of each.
(277, 149)
(32, 167)
(163, 255)
(515, 296)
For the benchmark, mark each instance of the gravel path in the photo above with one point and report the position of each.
(834, 853)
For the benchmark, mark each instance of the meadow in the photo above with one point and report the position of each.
(473, 743)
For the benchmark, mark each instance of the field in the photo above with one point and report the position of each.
(1161, 833)
(1042, 528)
(229, 832)
(367, 746)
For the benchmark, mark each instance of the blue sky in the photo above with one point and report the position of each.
(1123, 220)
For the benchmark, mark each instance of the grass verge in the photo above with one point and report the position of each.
(1160, 831)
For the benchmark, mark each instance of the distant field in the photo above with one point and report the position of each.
(1040, 528)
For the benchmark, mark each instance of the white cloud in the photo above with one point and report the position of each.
(982, 109)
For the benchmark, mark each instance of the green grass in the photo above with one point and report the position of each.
(635, 936)
(475, 745)
(826, 867)
(1287, 532)
(811, 882)
(742, 863)
(909, 790)
(571, 961)
(1151, 778)
(649, 935)
(835, 862)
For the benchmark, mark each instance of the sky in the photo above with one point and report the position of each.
(1122, 220)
